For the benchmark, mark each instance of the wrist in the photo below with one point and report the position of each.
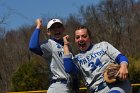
(124, 64)
(38, 26)
(66, 43)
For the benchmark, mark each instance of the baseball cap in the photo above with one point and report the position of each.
(52, 21)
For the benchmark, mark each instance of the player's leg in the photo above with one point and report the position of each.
(122, 87)
(117, 87)
(58, 87)
(116, 90)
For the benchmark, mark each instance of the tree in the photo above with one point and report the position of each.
(30, 76)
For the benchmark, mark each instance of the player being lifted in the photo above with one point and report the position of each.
(92, 61)
(52, 48)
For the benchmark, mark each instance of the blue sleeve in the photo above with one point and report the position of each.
(121, 58)
(69, 66)
(34, 45)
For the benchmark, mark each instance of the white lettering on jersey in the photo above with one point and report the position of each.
(91, 61)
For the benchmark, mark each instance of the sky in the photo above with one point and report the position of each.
(25, 12)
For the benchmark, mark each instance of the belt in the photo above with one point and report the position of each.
(64, 81)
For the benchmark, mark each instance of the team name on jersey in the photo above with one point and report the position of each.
(90, 56)
(88, 63)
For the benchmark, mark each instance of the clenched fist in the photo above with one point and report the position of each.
(66, 39)
(38, 23)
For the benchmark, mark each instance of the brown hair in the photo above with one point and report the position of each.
(84, 27)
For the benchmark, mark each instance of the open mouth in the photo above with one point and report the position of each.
(82, 44)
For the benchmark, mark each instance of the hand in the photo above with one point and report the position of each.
(38, 23)
(123, 71)
(66, 47)
(66, 39)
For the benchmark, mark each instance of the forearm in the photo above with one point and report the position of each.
(69, 65)
(34, 45)
(123, 71)
(66, 45)
(66, 49)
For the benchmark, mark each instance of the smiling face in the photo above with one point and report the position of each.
(82, 39)
(57, 30)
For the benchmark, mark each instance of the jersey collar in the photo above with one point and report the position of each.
(58, 41)
(89, 48)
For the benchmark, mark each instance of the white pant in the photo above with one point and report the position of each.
(58, 87)
(123, 87)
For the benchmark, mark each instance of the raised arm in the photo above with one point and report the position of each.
(66, 45)
(69, 65)
(34, 45)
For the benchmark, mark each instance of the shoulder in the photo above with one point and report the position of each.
(102, 44)
(45, 42)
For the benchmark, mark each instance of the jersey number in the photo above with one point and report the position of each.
(95, 65)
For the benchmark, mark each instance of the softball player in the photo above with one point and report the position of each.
(92, 61)
(52, 49)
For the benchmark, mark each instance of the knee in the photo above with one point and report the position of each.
(114, 91)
